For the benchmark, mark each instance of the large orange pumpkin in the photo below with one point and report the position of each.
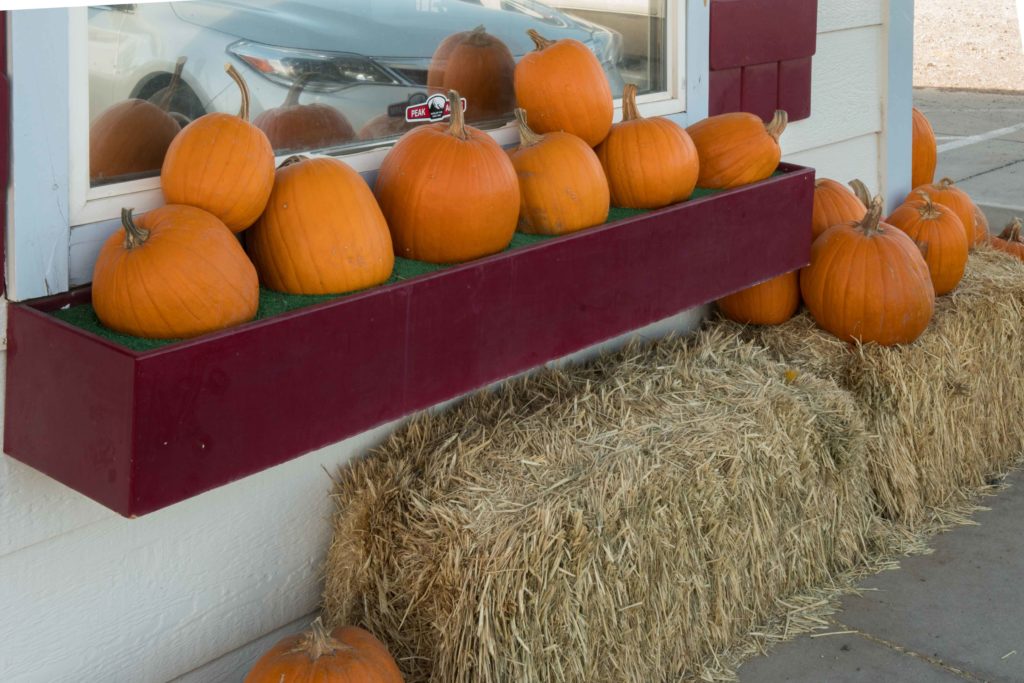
(650, 163)
(833, 204)
(771, 302)
(945, 192)
(940, 234)
(449, 192)
(322, 231)
(480, 67)
(868, 281)
(221, 163)
(294, 126)
(563, 87)
(1009, 240)
(176, 272)
(561, 183)
(348, 654)
(924, 156)
(737, 148)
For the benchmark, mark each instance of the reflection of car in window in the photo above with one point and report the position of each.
(360, 56)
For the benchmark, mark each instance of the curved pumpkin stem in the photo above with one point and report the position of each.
(946, 183)
(293, 159)
(168, 93)
(538, 40)
(860, 190)
(870, 222)
(1011, 233)
(134, 236)
(243, 112)
(928, 211)
(457, 127)
(777, 125)
(526, 136)
(479, 37)
(630, 112)
(293, 92)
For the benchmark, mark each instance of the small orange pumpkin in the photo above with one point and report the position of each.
(480, 67)
(449, 192)
(924, 154)
(737, 148)
(946, 192)
(561, 182)
(294, 126)
(563, 87)
(322, 231)
(1009, 240)
(176, 272)
(771, 302)
(868, 281)
(650, 163)
(981, 229)
(222, 164)
(345, 654)
(833, 204)
(940, 234)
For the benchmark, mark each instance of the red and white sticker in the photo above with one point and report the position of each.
(436, 108)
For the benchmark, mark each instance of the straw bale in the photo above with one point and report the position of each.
(939, 411)
(620, 521)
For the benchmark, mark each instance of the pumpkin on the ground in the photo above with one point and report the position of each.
(561, 183)
(833, 204)
(650, 163)
(347, 654)
(563, 87)
(175, 272)
(480, 66)
(221, 163)
(924, 155)
(294, 126)
(946, 192)
(868, 281)
(1010, 240)
(939, 234)
(449, 192)
(737, 148)
(771, 302)
(322, 231)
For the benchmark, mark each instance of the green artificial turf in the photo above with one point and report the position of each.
(275, 303)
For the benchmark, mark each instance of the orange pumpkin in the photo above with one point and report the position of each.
(221, 163)
(563, 87)
(480, 67)
(945, 192)
(771, 302)
(345, 654)
(981, 233)
(449, 192)
(650, 163)
(294, 126)
(737, 149)
(322, 231)
(833, 204)
(176, 272)
(940, 235)
(924, 155)
(868, 281)
(1009, 240)
(439, 60)
(561, 183)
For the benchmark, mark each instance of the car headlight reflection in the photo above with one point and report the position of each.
(328, 71)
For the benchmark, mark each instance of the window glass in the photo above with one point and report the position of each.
(334, 75)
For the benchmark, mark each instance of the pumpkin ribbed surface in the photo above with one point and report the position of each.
(945, 192)
(981, 229)
(175, 272)
(772, 302)
(834, 204)
(940, 235)
(737, 148)
(924, 155)
(294, 126)
(322, 231)
(129, 137)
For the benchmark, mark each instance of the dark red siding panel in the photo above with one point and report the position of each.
(760, 89)
(795, 87)
(138, 432)
(747, 32)
(725, 91)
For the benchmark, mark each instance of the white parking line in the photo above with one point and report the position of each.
(981, 137)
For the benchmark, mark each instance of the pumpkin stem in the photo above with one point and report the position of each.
(168, 94)
(630, 112)
(861, 191)
(457, 127)
(134, 236)
(319, 642)
(870, 222)
(293, 159)
(928, 211)
(540, 41)
(777, 125)
(478, 37)
(1011, 233)
(946, 183)
(293, 92)
(243, 112)
(526, 136)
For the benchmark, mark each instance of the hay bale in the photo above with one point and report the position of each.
(621, 521)
(939, 410)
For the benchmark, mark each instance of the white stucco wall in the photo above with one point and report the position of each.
(194, 592)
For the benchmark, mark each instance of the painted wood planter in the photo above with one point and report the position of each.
(138, 431)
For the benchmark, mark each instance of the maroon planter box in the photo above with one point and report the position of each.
(140, 431)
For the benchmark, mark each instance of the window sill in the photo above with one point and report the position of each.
(138, 431)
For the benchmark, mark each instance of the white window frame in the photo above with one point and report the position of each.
(57, 221)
